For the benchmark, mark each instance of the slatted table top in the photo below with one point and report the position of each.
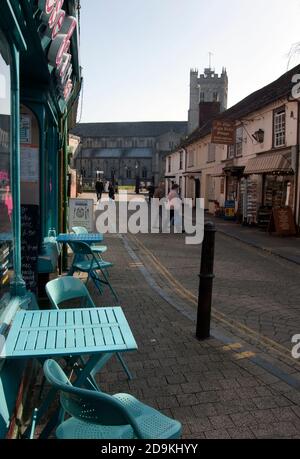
(87, 238)
(68, 332)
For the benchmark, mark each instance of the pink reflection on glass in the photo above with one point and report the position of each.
(8, 202)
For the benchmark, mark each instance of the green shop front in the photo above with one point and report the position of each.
(39, 88)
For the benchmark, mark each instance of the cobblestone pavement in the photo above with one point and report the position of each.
(241, 383)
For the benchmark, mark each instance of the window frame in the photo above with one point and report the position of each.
(277, 114)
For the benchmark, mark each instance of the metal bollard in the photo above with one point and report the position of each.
(206, 282)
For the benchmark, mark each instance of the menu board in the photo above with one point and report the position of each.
(81, 213)
(30, 219)
(25, 129)
(282, 222)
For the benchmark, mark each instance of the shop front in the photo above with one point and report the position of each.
(232, 204)
(39, 85)
(269, 183)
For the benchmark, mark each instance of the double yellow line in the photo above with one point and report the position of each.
(233, 324)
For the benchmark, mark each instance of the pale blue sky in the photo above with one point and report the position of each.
(137, 54)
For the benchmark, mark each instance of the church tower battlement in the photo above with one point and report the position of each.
(206, 87)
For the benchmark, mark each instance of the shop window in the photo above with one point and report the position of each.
(202, 96)
(6, 202)
(144, 173)
(279, 127)
(128, 173)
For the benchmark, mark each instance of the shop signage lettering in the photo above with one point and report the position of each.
(60, 28)
(223, 132)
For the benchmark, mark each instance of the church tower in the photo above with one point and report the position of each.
(207, 87)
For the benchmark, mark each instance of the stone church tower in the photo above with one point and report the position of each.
(207, 87)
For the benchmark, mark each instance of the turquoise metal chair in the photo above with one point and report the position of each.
(95, 415)
(67, 289)
(97, 249)
(87, 262)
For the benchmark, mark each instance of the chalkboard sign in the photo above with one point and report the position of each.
(282, 222)
(30, 219)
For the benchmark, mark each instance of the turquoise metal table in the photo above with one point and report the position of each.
(97, 333)
(89, 238)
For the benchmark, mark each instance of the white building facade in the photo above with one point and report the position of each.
(260, 171)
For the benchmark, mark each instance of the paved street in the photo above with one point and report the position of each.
(242, 383)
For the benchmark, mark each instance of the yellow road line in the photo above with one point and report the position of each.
(186, 294)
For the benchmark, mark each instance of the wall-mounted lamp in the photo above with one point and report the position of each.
(259, 136)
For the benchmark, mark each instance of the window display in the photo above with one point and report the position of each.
(6, 203)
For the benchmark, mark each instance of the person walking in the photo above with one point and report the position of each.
(159, 194)
(174, 204)
(99, 189)
(111, 191)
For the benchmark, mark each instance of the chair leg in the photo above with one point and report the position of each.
(125, 367)
(110, 286)
(97, 281)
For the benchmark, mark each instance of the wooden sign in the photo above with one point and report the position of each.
(30, 218)
(282, 222)
(223, 132)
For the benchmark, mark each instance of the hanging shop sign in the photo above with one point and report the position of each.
(223, 132)
(60, 28)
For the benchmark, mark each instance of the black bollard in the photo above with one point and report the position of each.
(206, 282)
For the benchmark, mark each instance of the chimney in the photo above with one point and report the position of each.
(207, 111)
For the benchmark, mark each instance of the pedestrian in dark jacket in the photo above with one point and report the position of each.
(99, 189)
(111, 191)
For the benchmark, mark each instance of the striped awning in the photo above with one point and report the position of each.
(268, 164)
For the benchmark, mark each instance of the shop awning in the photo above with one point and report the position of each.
(268, 164)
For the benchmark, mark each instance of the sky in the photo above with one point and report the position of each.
(137, 54)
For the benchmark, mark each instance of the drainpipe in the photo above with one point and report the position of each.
(18, 286)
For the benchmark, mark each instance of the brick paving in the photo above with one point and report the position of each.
(213, 389)
(198, 383)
